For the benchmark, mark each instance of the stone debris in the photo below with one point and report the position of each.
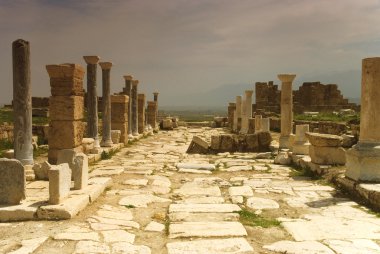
(155, 227)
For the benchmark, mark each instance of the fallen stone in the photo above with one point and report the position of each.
(327, 155)
(198, 145)
(206, 229)
(318, 139)
(59, 183)
(215, 246)
(12, 182)
(262, 203)
(283, 158)
(290, 247)
(41, 170)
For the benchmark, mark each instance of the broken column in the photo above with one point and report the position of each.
(141, 112)
(258, 122)
(119, 116)
(66, 108)
(12, 182)
(78, 163)
(363, 160)
(231, 112)
(22, 102)
(326, 149)
(151, 114)
(106, 104)
(286, 108)
(247, 108)
(135, 130)
(265, 124)
(155, 99)
(59, 183)
(92, 99)
(301, 144)
(127, 90)
(237, 119)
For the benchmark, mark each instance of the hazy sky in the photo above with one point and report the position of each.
(184, 46)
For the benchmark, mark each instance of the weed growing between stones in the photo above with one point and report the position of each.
(40, 151)
(167, 224)
(108, 155)
(249, 218)
(5, 145)
(298, 171)
(130, 206)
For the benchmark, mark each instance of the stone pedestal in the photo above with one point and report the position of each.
(151, 115)
(237, 114)
(106, 104)
(247, 108)
(127, 90)
(363, 160)
(66, 108)
(141, 112)
(286, 108)
(92, 99)
(231, 112)
(301, 144)
(258, 122)
(12, 182)
(135, 127)
(325, 149)
(22, 102)
(119, 116)
(265, 125)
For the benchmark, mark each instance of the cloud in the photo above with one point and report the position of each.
(178, 46)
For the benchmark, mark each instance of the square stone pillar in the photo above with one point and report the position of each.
(127, 90)
(265, 124)
(141, 112)
(286, 108)
(66, 108)
(363, 159)
(231, 112)
(151, 114)
(258, 122)
(135, 127)
(301, 144)
(119, 116)
(247, 111)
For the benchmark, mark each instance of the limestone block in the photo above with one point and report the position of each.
(59, 183)
(115, 136)
(41, 170)
(87, 145)
(283, 158)
(264, 139)
(123, 128)
(318, 139)
(167, 124)
(252, 142)
(65, 71)
(215, 142)
(325, 155)
(300, 148)
(9, 154)
(66, 107)
(53, 154)
(363, 163)
(121, 99)
(348, 140)
(78, 163)
(12, 181)
(66, 87)
(227, 143)
(65, 134)
(119, 112)
(198, 145)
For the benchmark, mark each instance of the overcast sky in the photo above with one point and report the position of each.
(186, 46)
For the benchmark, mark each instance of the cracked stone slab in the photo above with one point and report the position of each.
(85, 247)
(262, 203)
(111, 236)
(214, 246)
(125, 223)
(141, 200)
(206, 229)
(29, 246)
(204, 208)
(354, 246)
(192, 189)
(291, 247)
(245, 191)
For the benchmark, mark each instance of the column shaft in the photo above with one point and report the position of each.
(135, 131)
(106, 104)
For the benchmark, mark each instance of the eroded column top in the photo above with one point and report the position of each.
(248, 93)
(285, 78)
(91, 59)
(105, 65)
(135, 82)
(156, 93)
(128, 77)
(65, 70)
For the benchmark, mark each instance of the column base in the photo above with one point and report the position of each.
(135, 133)
(96, 143)
(286, 141)
(27, 162)
(363, 162)
(106, 143)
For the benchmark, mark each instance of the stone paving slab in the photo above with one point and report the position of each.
(204, 208)
(304, 247)
(185, 216)
(215, 246)
(206, 229)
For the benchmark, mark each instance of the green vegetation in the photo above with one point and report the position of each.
(130, 206)
(40, 151)
(303, 172)
(6, 115)
(167, 224)
(328, 117)
(249, 218)
(108, 155)
(5, 145)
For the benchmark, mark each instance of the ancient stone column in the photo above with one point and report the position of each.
(363, 160)
(231, 112)
(22, 102)
(106, 104)
(127, 90)
(286, 108)
(155, 99)
(135, 130)
(247, 108)
(141, 112)
(151, 115)
(265, 124)
(238, 112)
(258, 122)
(119, 115)
(66, 108)
(92, 99)
(301, 144)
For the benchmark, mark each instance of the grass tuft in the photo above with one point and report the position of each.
(249, 218)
